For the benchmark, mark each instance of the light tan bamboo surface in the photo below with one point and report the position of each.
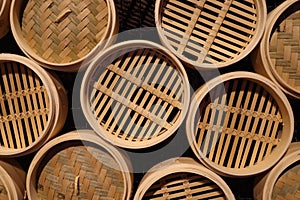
(135, 94)
(64, 35)
(79, 165)
(207, 34)
(278, 55)
(12, 180)
(182, 178)
(4, 17)
(283, 181)
(240, 124)
(33, 105)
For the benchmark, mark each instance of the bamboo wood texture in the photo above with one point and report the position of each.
(33, 105)
(4, 17)
(79, 165)
(240, 124)
(283, 181)
(182, 178)
(207, 34)
(12, 180)
(63, 36)
(135, 94)
(278, 55)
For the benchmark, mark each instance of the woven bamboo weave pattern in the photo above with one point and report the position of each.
(80, 172)
(285, 48)
(139, 96)
(24, 105)
(64, 31)
(208, 31)
(239, 124)
(288, 184)
(3, 192)
(184, 186)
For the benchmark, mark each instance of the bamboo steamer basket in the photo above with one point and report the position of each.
(182, 178)
(4, 17)
(63, 36)
(135, 94)
(277, 56)
(240, 124)
(12, 180)
(79, 165)
(33, 105)
(283, 181)
(210, 34)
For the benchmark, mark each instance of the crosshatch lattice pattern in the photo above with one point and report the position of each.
(209, 31)
(184, 186)
(64, 31)
(239, 125)
(288, 184)
(24, 105)
(139, 96)
(80, 172)
(285, 48)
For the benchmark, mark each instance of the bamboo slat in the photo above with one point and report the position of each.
(182, 178)
(278, 55)
(242, 126)
(135, 94)
(63, 36)
(33, 105)
(206, 34)
(79, 165)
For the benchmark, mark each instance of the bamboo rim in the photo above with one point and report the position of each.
(83, 136)
(55, 106)
(179, 165)
(261, 21)
(106, 40)
(4, 17)
(276, 154)
(104, 59)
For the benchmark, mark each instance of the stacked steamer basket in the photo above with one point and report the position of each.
(65, 35)
(33, 105)
(4, 17)
(135, 94)
(210, 34)
(240, 124)
(79, 165)
(277, 56)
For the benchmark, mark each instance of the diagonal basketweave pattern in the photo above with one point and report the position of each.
(24, 106)
(240, 124)
(285, 48)
(209, 31)
(139, 96)
(184, 186)
(80, 172)
(64, 31)
(288, 184)
(3, 192)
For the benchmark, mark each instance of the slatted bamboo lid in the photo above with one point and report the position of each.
(79, 165)
(182, 178)
(135, 94)
(279, 50)
(283, 181)
(240, 124)
(4, 17)
(208, 34)
(31, 105)
(62, 35)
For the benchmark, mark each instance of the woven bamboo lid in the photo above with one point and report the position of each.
(63, 35)
(283, 181)
(208, 34)
(4, 17)
(240, 124)
(182, 178)
(33, 105)
(278, 56)
(135, 94)
(79, 165)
